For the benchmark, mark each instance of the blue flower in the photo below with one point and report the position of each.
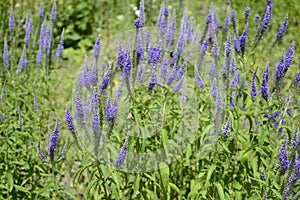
(52, 146)
(122, 154)
(53, 12)
(11, 21)
(253, 85)
(226, 128)
(265, 84)
(69, 120)
(282, 28)
(5, 55)
(283, 157)
(97, 47)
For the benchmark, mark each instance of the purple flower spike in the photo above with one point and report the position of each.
(139, 47)
(94, 74)
(245, 82)
(79, 111)
(267, 18)
(243, 39)
(122, 154)
(95, 101)
(53, 12)
(43, 31)
(180, 71)
(294, 140)
(280, 68)
(296, 172)
(5, 55)
(204, 46)
(199, 80)
(180, 43)
(289, 57)
(41, 10)
(106, 80)
(213, 69)
(141, 72)
(162, 24)
(226, 129)
(95, 123)
(29, 28)
(111, 111)
(235, 81)
(257, 20)
(253, 85)
(164, 67)
(228, 47)
(60, 47)
(39, 57)
(289, 111)
(147, 38)
(215, 49)
(23, 61)
(232, 67)
(179, 85)
(237, 45)
(47, 39)
(265, 84)
(225, 67)
(97, 47)
(282, 28)
(233, 17)
(171, 76)
(247, 12)
(283, 157)
(117, 95)
(152, 82)
(209, 18)
(69, 120)
(53, 140)
(226, 23)
(171, 30)
(124, 60)
(154, 55)
(166, 12)
(214, 90)
(11, 21)
(86, 73)
(140, 21)
(41, 154)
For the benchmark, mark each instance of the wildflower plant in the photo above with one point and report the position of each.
(26, 79)
(165, 80)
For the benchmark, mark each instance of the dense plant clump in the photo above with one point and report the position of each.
(174, 111)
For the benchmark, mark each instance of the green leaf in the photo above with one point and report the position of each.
(210, 172)
(10, 181)
(20, 188)
(79, 173)
(164, 176)
(220, 190)
(255, 166)
(174, 187)
(137, 181)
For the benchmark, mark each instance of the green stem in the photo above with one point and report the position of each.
(102, 179)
